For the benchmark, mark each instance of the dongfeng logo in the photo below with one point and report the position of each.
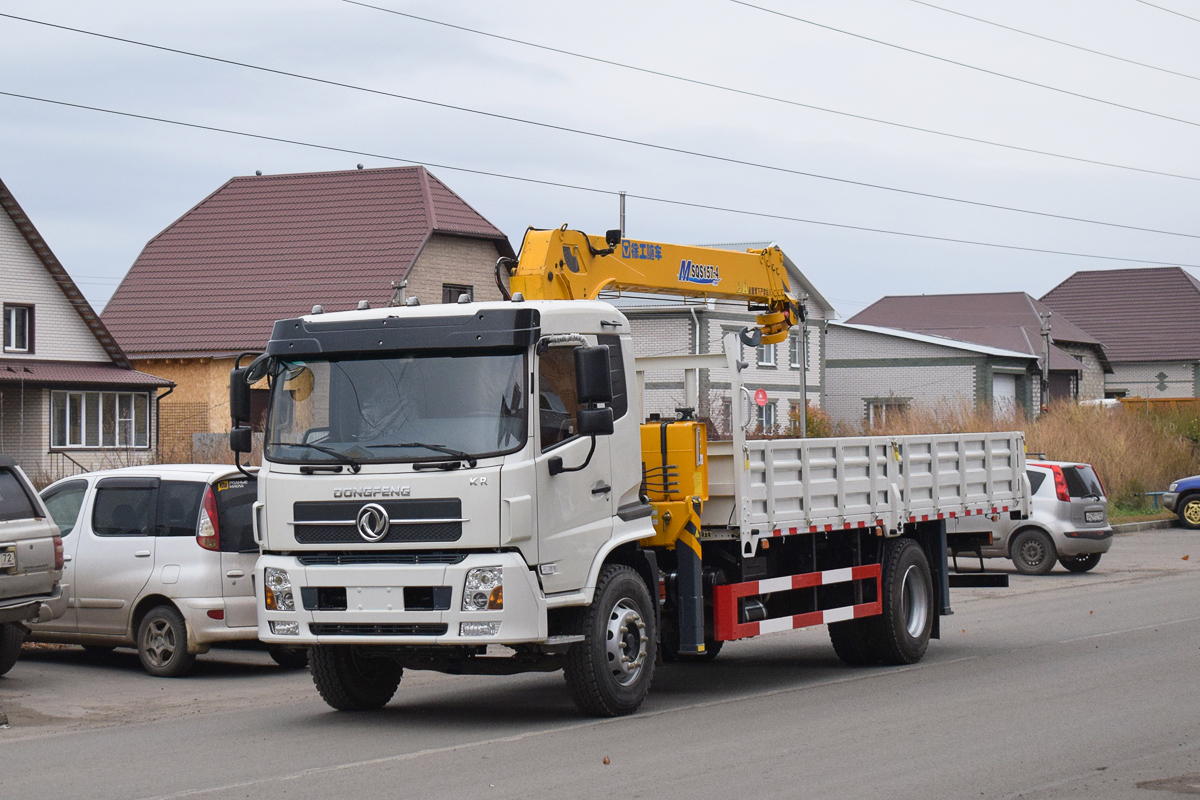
(707, 274)
(372, 522)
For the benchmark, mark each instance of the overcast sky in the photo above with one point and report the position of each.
(98, 186)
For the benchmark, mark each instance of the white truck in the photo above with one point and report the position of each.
(440, 480)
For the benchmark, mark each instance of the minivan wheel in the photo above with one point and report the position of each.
(1189, 511)
(1079, 563)
(11, 638)
(1033, 552)
(162, 643)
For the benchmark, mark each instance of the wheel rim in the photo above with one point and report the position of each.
(1191, 512)
(915, 601)
(626, 643)
(159, 644)
(1033, 551)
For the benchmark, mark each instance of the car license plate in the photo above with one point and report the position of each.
(1094, 516)
(8, 559)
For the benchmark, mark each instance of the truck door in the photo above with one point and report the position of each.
(115, 553)
(574, 509)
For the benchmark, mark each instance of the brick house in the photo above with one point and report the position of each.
(69, 399)
(268, 247)
(873, 372)
(1149, 321)
(1007, 321)
(665, 326)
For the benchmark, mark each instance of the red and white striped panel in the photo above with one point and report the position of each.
(967, 513)
(725, 602)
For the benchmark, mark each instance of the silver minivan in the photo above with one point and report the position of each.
(1068, 522)
(160, 558)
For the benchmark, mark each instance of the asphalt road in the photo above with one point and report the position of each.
(1061, 686)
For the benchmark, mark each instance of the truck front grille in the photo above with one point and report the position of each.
(365, 557)
(372, 629)
(334, 522)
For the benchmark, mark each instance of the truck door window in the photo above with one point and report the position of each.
(64, 502)
(179, 507)
(557, 402)
(121, 511)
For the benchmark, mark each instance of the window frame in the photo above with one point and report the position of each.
(768, 409)
(766, 349)
(76, 434)
(9, 328)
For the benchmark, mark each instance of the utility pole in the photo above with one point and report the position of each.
(622, 215)
(1045, 359)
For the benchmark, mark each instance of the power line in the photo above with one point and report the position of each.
(772, 98)
(944, 60)
(1057, 41)
(1168, 10)
(576, 187)
(613, 138)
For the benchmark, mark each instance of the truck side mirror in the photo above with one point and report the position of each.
(594, 421)
(593, 375)
(239, 398)
(241, 439)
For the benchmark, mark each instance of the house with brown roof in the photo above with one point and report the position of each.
(268, 247)
(1005, 320)
(1149, 321)
(69, 399)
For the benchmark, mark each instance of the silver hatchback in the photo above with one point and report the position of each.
(1068, 522)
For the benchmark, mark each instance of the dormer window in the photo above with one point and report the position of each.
(18, 329)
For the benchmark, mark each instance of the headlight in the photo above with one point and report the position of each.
(484, 589)
(277, 588)
(1173, 486)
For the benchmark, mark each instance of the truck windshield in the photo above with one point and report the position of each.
(420, 407)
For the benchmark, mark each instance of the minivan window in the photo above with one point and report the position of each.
(179, 507)
(121, 511)
(235, 507)
(1082, 481)
(63, 502)
(1035, 480)
(14, 502)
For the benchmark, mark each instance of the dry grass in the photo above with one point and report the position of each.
(1134, 452)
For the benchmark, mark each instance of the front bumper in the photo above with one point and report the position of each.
(1169, 499)
(203, 629)
(35, 609)
(375, 612)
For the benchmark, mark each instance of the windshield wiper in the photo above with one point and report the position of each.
(440, 448)
(340, 456)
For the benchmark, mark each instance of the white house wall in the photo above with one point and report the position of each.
(60, 334)
(1153, 379)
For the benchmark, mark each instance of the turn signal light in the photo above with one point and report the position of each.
(58, 553)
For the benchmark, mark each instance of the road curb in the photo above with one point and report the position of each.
(1133, 527)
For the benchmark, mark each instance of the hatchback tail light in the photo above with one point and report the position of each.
(59, 561)
(208, 534)
(1060, 484)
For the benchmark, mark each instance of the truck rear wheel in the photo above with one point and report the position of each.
(908, 607)
(350, 681)
(854, 641)
(610, 671)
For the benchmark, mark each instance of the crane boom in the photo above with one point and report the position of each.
(564, 264)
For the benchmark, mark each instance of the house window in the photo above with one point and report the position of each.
(18, 329)
(766, 418)
(794, 351)
(452, 291)
(878, 411)
(100, 419)
(766, 355)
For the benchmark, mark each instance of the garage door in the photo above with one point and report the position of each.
(1004, 393)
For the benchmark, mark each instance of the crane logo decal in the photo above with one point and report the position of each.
(707, 274)
(641, 250)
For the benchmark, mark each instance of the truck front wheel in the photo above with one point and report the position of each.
(350, 681)
(907, 603)
(610, 671)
